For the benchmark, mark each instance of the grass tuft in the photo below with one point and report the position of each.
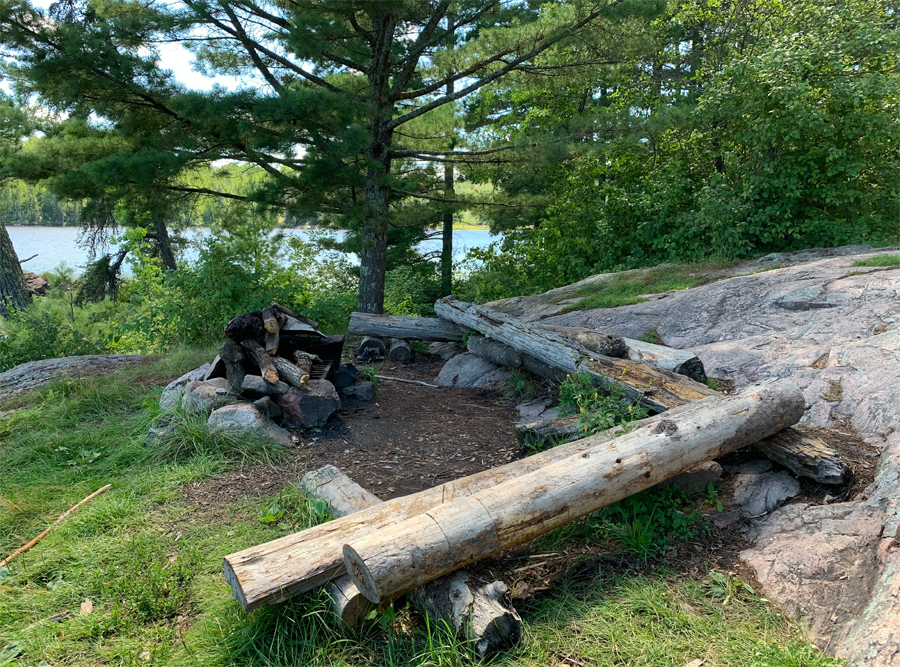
(880, 260)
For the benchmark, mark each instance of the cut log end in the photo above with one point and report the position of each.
(347, 604)
(400, 352)
(359, 573)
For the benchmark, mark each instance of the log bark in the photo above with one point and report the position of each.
(232, 355)
(272, 343)
(263, 360)
(406, 328)
(504, 355)
(293, 375)
(470, 606)
(397, 559)
(278, 570)
(654, 388)
(270, 321)
(371, 348)
(399, 352)
(805, 455)
(14, 294)
(607, 344)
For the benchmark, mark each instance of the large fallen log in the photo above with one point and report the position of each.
(805, 455)
(405, 328)
(404, 556)
(607, 344)
(472, 607)
(654, 388)
(277, 570)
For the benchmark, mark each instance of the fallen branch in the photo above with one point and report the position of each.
(26, 547)
(388, 377)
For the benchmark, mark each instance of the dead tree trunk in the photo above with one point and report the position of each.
(394, 560)
(607, 344)
(471, 607)
(654, 388)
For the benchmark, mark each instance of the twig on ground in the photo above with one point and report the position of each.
(26, 547)
(388, 377)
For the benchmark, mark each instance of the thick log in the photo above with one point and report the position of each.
(263, 360)
(406, 328)
(683, 362)
(293, 375)
(272, 343)
(805, 455)
(399, 352)
(654, 388)
(232, 355)
(607, 344)
(277, 570)
(470, 606)
(397, 559)
(371, 348)
(503, 355)
(270, 321)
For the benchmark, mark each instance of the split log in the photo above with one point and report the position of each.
(263, 360)
(406, 328)
(270, 321)
(471, 607)
(654, 388)
(371, 348)
(607, 344)
(277, 570)
(399, 558)
(293, 375)
(233, 357)
(255, 387)
(805, 455)
(272, 343)
(399, 352)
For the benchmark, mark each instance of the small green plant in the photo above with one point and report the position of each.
(836, 393)
(713, 383)
(651, 337)
(726, 588)
(419, 347)
(597, 411)
(880, 260)
(532, 443)
(712, 496)
(768, 268)
(467, 336)
(520, 384)
(369, 373)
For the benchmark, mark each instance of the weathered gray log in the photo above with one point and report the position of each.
(607, 344)
(406, 328)
(34, 374)
(683, 362)
(277, 570)
(654, 388)
(272, 340)
(399, 352)
(470, 606)
(232, 355)
(263, 360)
(371, 348)
(503, 355)
(805, 455)
(270, 321)
(290, 373)
(399, 558)
(255, 386)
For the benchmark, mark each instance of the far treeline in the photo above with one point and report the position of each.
(597, 135)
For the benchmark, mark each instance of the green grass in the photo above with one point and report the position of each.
(881, 260)
(626, 288)
(151, 563)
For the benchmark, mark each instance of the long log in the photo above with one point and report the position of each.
(503, 355)
(654, 388)
(472, 607)
(607, 344)
(406, 328)
(399, 558)
(263, 360)
(277, 570)
(293, 375)
(682, 362)
(272, 340)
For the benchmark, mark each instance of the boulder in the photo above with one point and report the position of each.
(345, 376)
(757, 494)
(254, 386)
(268, 407)
(312, 407)
(204, 396)
(469, 370)
(244, 421)
(36, 283)
(171, 395)
(360, 391)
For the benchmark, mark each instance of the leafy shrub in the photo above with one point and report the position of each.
(597, 411)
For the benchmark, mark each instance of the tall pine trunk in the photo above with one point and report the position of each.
(14, 295)
(373, 258)
(161, 234)
(447, 232)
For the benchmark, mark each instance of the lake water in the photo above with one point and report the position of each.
(54, 245)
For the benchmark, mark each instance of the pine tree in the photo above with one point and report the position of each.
(331, 87)
(14, 295)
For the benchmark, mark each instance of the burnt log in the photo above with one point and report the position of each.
(263, 360)
(371, 349)
(245, 327)
(404, 556)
